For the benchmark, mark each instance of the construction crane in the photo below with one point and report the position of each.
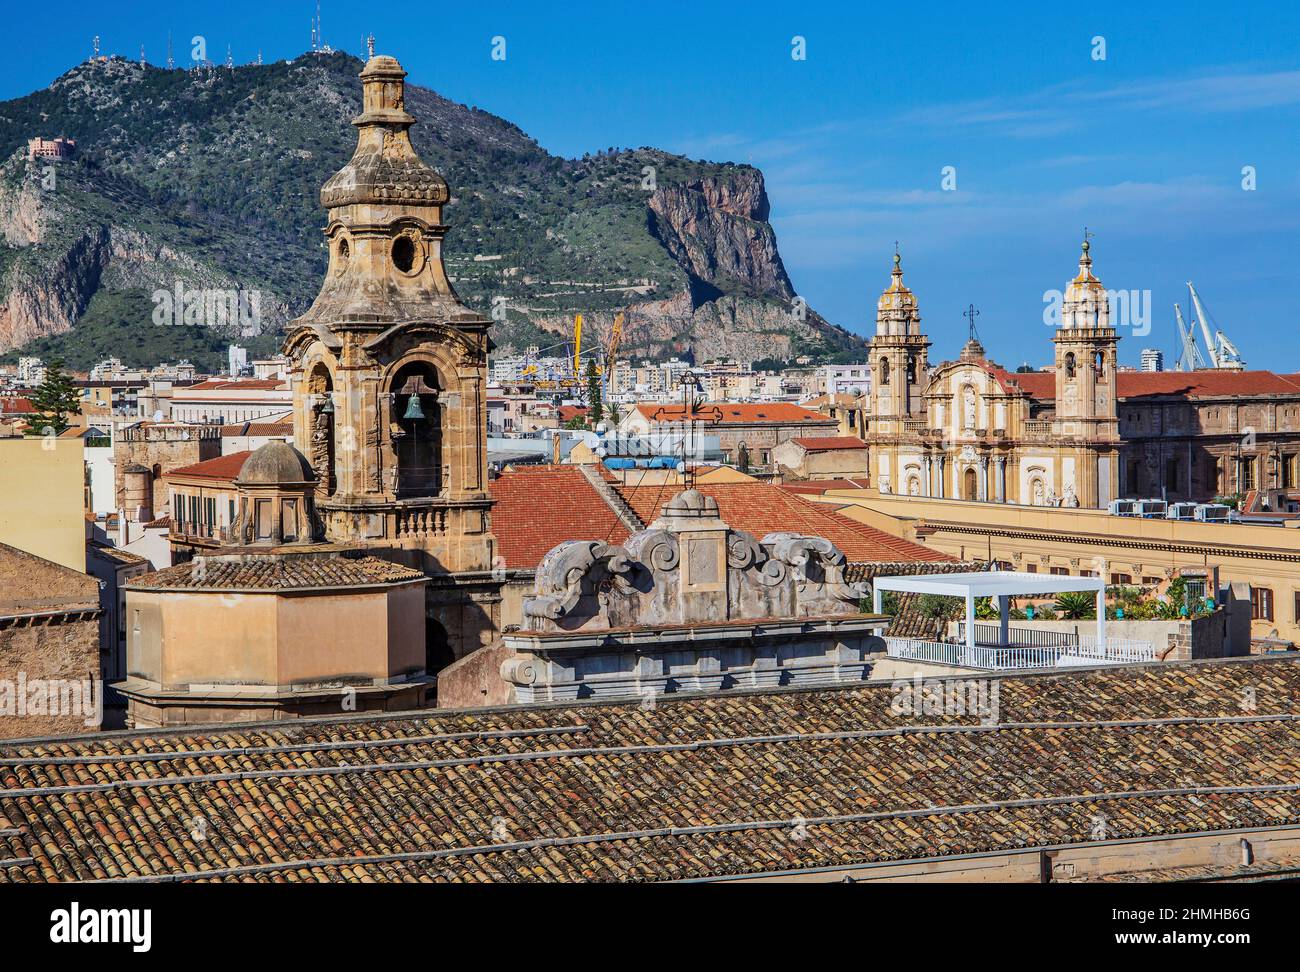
(1223, 353)
(577, 346)
(1189, 357)
(611, 352)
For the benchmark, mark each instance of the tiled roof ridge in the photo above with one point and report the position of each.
(718, 776)
(278, 572)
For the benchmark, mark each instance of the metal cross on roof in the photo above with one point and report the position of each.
(971, 313)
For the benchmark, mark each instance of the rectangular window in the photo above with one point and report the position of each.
(1121, 579)
(289, 520)
(1152, 581)
(1261, 604)
(1295, 616)
(263, 519)
(1248, 473)
(1031, 568)
(1171, 474)
(1061, 571)
(1288, 472)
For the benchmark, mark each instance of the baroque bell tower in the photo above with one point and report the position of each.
(1087, 422)
(389, 374)
(898, 354)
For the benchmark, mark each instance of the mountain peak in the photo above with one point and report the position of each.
(215, 175)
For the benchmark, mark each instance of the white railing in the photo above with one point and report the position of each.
(990, 633)
(916, 650)
(1116, 651)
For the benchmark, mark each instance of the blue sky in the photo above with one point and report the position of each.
(1145, 148)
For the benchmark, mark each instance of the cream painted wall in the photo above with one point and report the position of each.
(268, 640)
(42, 499)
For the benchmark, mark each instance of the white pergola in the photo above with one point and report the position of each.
(1002, 585)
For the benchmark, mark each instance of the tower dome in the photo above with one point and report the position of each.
(384, 229)
(275, 464)
(897, 311)
(1085, 302)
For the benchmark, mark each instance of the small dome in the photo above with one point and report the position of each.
(692, 502)
(273, 464)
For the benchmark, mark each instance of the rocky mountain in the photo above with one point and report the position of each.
(209, 180)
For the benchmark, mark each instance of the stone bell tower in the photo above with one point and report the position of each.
(1086, 424)
(389, 372)
(898, 354)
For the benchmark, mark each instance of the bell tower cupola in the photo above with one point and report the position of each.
(389, 372)
(898, 355)
(1086, 403)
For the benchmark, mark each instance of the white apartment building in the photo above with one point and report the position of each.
(222, 402)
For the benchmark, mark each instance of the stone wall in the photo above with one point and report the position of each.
(49, 648)
(161, 449)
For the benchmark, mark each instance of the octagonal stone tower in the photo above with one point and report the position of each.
(389, 371)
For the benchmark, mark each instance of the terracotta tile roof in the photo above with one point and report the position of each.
(1142, 384)
(568, 413)
(225, 467)
(784, 413)
(286, 573)
(692, 787)
(830, 443)
(116, 553)
(761, 508)
(242, 384)
(16, 406)
(538, 507)
(258, 428)
(1151, 384)
(839, 398)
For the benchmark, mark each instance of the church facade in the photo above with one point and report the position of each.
(1080, 434)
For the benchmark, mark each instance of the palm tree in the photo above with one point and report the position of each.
(1076, 606)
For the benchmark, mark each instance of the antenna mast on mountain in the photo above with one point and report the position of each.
(94, 49)
(171, 61)
(230, 59)
(370, 45)
(143, 62)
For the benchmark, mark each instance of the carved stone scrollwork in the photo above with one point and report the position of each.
(817, 560)
(744, 553)
(658, 549)
(563, 574)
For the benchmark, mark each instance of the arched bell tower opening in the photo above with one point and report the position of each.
(320, 392)
(417, 430)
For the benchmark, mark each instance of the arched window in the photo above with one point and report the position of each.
(416, 429)
(884, 371)
(911, 369)
(320, 391)
(1099, 364)
(1069, 364)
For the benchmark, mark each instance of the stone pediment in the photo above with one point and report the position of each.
(689, 567)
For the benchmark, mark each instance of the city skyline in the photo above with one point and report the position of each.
(1145, 147)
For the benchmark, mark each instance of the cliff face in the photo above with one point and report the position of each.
(61, 250)
(717, 231)
(212, 178)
